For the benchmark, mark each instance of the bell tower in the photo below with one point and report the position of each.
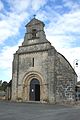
(34, 32)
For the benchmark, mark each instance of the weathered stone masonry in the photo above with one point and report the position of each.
(40, 73)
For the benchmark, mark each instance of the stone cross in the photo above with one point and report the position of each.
(34, 16)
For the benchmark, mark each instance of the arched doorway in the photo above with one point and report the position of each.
(34, 90)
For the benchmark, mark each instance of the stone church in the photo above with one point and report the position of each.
(39, 72)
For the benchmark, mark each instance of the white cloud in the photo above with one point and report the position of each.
(63, 47)
(1, 5)
(71, 4)
(6, 58)
(19, 6)
(62, 29)
(6, 55)
(37, 4)
(64, 34)
(9, 29)
(10, 25)
(66, 23)
(72, 54)
(11, 21)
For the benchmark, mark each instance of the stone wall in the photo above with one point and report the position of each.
(43, 64)
(66, 80)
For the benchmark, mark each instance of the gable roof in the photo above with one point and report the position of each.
(34, 21)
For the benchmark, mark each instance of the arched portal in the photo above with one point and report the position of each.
(34, 94)
(34, 87)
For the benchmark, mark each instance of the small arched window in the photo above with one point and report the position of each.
(34, 33)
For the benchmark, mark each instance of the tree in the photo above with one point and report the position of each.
(4, 85)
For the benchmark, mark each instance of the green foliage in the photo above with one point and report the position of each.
(3, 86)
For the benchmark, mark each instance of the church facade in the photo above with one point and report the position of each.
(39, 72)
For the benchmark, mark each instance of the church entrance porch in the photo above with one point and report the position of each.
(34, 90)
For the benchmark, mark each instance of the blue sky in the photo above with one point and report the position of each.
(62, 28)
